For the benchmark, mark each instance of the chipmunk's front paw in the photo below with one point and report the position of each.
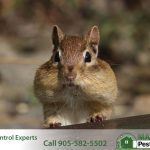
(54, 125)
(52, 122)
(97, 118)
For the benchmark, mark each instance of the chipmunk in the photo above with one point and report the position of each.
(75, 86)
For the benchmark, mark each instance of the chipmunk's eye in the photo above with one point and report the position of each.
(57, 57)
(87, 57)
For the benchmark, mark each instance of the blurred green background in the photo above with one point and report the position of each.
(25, 43)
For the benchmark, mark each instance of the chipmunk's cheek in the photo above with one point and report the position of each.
(77, 79)
(79, 82)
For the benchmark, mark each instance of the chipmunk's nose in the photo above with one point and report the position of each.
(70, 74)
(70, 68)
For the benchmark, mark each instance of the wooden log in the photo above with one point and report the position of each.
(135, 122)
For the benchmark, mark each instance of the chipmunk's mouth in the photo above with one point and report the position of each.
(69, 84)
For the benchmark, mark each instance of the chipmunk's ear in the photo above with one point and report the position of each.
(93, 36)
(57, 35)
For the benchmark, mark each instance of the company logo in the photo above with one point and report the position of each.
(129, 142)
(125, 141)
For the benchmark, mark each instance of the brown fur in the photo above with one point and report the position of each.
(94, 90)
(70, 47)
